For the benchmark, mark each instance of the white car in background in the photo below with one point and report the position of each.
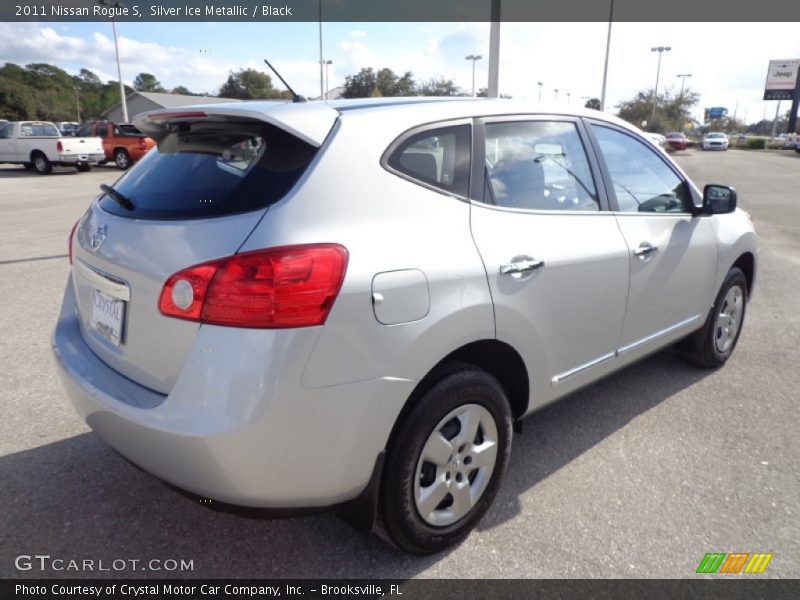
(39, 145)
(715, 140)
(657, 139)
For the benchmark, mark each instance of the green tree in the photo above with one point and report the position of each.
(361, 85)
(146, 82)
(672, 113)
(249, 84)
(593, 103)
(440, 86)
(183, 91)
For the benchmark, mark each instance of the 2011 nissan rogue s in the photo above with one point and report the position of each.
(351, 304)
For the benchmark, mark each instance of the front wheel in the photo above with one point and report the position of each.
(713, 345)
(445, 465)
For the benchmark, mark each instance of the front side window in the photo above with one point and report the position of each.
(102, 131)
(6, 130)
(438, 157)
(538, 165)
(641, 179)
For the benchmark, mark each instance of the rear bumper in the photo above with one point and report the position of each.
(237, 426)
(74, 159)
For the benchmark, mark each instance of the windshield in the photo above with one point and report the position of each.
(715, 135)
(211, 169)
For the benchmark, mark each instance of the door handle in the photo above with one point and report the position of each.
(521, 265)
(645, 249)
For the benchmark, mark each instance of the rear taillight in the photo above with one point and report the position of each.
(59, 146)
(142, 144)
(69, 240)
(289, 286)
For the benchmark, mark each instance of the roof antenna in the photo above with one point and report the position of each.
(295, 96)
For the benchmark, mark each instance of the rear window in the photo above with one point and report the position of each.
(211, 169)
(38, 130)
(126, 130)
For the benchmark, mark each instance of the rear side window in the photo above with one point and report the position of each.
(211, 169)
(438, 157)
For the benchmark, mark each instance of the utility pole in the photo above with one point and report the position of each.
(494, 51)
(608, 51)
(327, 81)
(321, 59)
(568, 95)
(541, 85)
(556, 93)
(123, 99)
(660, 50)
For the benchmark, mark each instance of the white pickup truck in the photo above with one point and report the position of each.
(38, 145)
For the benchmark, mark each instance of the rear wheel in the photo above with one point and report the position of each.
(445, 465)
(713, 345)
(122, 159)
(41, 164)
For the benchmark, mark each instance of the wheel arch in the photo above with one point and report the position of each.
(497, 358)
(747, 263)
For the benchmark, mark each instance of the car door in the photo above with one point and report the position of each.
(672, 253)
(556, 262)
(7, 146)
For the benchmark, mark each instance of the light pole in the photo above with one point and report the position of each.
(608, 51)
(660, 50)
(492, 90)
(683, 77)
(541, 85)
(556, 93)
(321, 60)
(327, 81)
(123, 100)
(474, 58)
(568, 95)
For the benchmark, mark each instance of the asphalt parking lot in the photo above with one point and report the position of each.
(639, 475)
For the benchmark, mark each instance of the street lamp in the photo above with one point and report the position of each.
(474, 58)
(683, 77)
(568, 95)
(541, 85)
(327, 81)
(608, 51)
(124, 101)
(556, 92)
(660, 50)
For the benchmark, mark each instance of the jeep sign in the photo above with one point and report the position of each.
(781, 79)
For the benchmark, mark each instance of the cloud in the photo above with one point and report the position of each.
(358, 33)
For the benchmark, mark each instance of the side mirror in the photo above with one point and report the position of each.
(718, 199)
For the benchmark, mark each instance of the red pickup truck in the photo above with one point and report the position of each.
(122, 142)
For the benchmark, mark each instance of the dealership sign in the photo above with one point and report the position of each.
(781, 79)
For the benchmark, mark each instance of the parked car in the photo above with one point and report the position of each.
(39, 145)
(352, 304)
(68, 127)
(677, 141)
(715, 140)
(123, 143)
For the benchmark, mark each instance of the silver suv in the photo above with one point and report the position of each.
(351, 305)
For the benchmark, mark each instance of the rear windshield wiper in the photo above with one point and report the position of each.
(119, 198)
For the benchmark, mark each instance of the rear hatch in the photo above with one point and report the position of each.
(194, 198)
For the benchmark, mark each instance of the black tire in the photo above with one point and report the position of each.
(122, 159)
(702, 348)
(28, 166)
(399, 521)
(41, 163)
(83, 168)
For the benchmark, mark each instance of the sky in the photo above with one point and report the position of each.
(727, 61)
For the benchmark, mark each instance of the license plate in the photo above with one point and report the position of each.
(108, 314)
